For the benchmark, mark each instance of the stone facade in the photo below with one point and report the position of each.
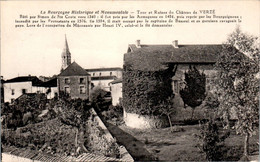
(73, 86)
(75, 81)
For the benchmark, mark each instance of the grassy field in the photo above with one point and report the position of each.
(181, 145)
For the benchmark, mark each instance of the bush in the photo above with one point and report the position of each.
(98, 99)
(212, 142)
(17, 114)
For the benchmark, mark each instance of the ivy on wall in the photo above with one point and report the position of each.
(144, 90)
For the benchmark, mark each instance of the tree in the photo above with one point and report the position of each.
(193, 93)
(238, 83)
(75, 112)
(166, 108)
(98, 99)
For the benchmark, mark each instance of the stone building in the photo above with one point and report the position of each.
(75, 81)
(103, 76)
(155, 57)
(143, 58)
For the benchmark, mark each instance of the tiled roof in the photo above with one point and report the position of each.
(35, 81)
(104, 69)
(40, 156)
(74, 70)
(152, 57)
(103, 77)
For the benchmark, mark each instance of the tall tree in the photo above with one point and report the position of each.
(194, 91)
(238, 83)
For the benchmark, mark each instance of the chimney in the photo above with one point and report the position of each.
(175, 44)
(138, 45)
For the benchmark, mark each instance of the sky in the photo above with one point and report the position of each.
(37, 51)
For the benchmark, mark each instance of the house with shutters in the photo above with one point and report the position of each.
(145, 57)
(74, 81)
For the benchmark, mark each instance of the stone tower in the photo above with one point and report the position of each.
(65, 56)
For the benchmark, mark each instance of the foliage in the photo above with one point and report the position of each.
(113, 113)
(97, 142)
(15, 115)
(98, 98)
(144, 91)
(212, 142)
(193, 93)
(73, 112)
(238, 82)
(71, 132)
(166, 108)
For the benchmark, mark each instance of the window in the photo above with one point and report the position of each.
(110, 73)
(93, 74)
(67, 90)
(176, 86)
(12, 91)
(23, 91)
(81, 80)
(82, 89)
(67, 80)
(99, 74)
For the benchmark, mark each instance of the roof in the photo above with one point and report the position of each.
(35, 81)
(153, 57)
(50, 83)
(117, 81)
(104, 69)
(41, 156)
(103, 77)
(74, 70)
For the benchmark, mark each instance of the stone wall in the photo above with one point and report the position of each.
(125, 155)
(74, 86)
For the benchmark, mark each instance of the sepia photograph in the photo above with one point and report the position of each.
(130, 80)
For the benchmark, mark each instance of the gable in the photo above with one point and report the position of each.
(74, 70)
